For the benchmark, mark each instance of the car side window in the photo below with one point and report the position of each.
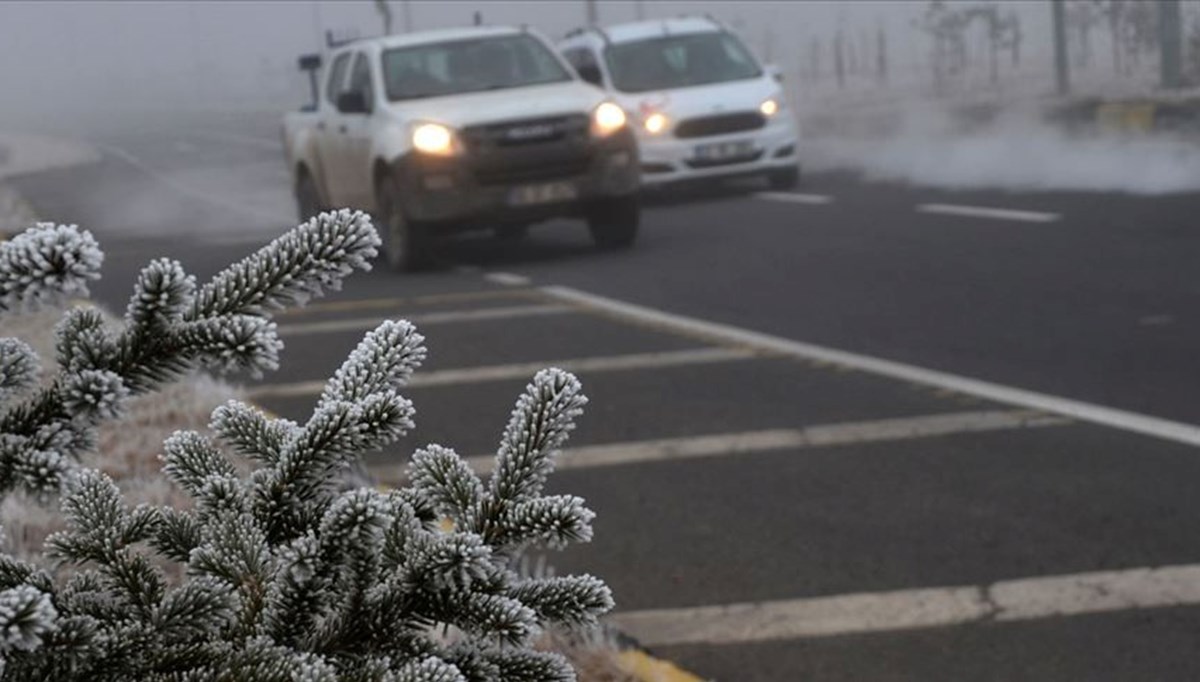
(337, 78)
(586, 65)
(360, 80)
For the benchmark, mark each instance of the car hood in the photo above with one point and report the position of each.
(702, 100)
(569, 97)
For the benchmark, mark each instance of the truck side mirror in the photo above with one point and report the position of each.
(310, 62)
(591, 73)
(352, 103)
(775, 72)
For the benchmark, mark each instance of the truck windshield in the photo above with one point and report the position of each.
(679, 61)
(469, 66)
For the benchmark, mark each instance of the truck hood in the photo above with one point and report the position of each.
(534, 101)
(702, 100)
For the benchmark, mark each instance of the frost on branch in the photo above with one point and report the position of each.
(290, 577)
(171, 327)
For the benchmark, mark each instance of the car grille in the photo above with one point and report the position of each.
(720, 124)
(745, 158)
(528, 150)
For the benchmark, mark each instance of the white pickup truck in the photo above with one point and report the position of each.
(442, 131)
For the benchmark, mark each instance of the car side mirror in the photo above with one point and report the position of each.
(591, 73)
(310, 62)
(352, 103)
(775, 72)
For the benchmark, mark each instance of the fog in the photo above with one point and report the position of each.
(83, 68)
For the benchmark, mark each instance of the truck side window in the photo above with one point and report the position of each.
(585, 65)
(337, 78)
(360, 80)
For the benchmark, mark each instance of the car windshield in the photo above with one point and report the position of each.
(679, 61)
(469, 66)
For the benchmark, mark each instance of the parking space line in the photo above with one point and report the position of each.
(508, 279)
(735, 336)
(441, 317)
(754, 442)
(399, 302)
(988, 212)
(795, 198)
(526, 370)
(1019, 600)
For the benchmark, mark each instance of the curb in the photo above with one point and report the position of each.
(647, 668)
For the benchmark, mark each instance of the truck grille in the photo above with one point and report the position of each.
(720, 124)
(528, 150)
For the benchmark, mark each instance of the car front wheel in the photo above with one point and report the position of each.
(406, 243)
(614, 221)
(785, 179)
(308, 202)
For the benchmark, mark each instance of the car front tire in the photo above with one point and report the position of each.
(406, 243)
(614, 222)
(785, 179)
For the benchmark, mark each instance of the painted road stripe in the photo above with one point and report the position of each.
(508, 279)
(441, 317)
(986, 212)
(753, 442)
(393, 303)
(526, 370)
(795, 198)
(1008, 601)
(736, 336)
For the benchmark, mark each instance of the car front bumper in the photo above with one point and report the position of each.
(462, 193)
(667, 159)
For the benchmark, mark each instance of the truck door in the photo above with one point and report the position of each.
(329, 140)
(355, 127)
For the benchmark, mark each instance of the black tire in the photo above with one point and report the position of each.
(308, 200)
(613, 222)
(787, 178)
(406, 243)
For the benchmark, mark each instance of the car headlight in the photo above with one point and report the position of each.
(769, 107)
(435, 139)
(655, 123)
(607, 119)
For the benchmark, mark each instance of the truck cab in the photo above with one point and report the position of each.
(439, 132)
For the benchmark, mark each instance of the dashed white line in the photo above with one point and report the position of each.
(1010, 600)
(731, 335)
(795, 198)
(989, 212)
(524, 370)
(508, 279)
(441, 317)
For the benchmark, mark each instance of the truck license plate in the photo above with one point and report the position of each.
(542, 193)
(720, 151)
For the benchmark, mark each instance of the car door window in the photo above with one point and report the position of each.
(337, 78)
(360, 80)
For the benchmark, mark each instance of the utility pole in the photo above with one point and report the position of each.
(1058, 15)
(592, 16)
(1170, 40)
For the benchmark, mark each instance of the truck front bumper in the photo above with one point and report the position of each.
(459, 193)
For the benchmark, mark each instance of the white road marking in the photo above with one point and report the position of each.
(525, 370)
(441, 317)
(507, 279)
(731, 335)
(1010, 600)
(391, 303)
(754, 442)
(795, 198)
(987, 212)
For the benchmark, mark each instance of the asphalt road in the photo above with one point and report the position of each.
(786, 482)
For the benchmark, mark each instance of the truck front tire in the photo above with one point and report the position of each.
(406, 243)
(308, 201)
(614, 221)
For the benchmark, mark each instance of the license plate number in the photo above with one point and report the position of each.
(719, 151)
(543, 193)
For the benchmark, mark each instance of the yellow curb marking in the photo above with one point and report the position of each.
(650, 669)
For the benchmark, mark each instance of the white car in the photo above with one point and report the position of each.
(442, 131)
(702, 105)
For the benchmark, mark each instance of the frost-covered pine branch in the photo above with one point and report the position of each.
(171, 326)
(291, 578)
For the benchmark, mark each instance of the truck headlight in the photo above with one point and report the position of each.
(655, 123)
(435, 139)
(769, 107)
(607, 119)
